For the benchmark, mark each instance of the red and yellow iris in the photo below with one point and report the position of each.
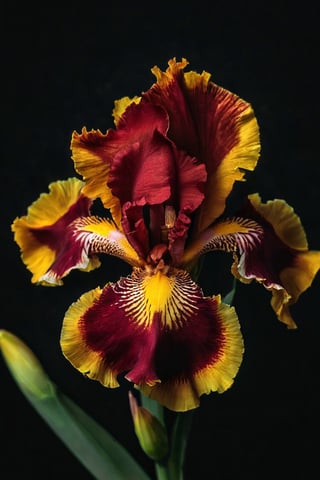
(163, 175)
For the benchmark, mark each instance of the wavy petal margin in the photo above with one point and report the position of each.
(282, 261)
(121, 105)
(92, 161)
(41, 233)
(207, 362)
(158, 330)
(93, 153)
(212, 124)
(269, 245)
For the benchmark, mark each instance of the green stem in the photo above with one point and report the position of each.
(173, 468)
(162, 471)
(180, 435)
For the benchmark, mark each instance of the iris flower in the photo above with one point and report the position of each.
(162, 177)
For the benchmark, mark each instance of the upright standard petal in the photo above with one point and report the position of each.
(146, 198)
(41, 233)
(93, 152)
(92, 161)
(132, 177)
(212, 124)
(158, 330)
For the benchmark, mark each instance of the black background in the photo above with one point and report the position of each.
(62, 68)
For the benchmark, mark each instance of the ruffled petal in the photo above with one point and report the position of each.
(93, 152)
(121, 105)
(282, 261)
(41, 233)
(158, 329)
(178, 184)
(190, 182)
(211, 124)
(269, 245)
(286, 224)
(74, 346)
(92, 161)
(132, 176)
(295, 279)
(202, 357)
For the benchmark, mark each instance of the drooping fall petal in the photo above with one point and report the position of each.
(83, 239)
(269, 245)
(159, 330)
(58, 235)
(41, 233)
(210, 123)
(202, 357)
(282, 261)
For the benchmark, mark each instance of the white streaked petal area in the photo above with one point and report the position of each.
(234, 234)
(99, 235)
(85, 238)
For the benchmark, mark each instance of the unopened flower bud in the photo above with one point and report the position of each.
(150, 431)
(25, 367)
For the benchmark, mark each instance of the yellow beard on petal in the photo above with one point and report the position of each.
(169, 296)
(158, 289)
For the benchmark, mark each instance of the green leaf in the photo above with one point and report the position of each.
(96, 448)
(91, 444)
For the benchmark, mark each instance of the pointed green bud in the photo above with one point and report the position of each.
(25, 367)
(150, 431)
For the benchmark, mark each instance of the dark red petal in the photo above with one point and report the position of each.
(135, 228)
(209, 123)
(93, 152)
(143, 171)
(43, 234)
(157, 329)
